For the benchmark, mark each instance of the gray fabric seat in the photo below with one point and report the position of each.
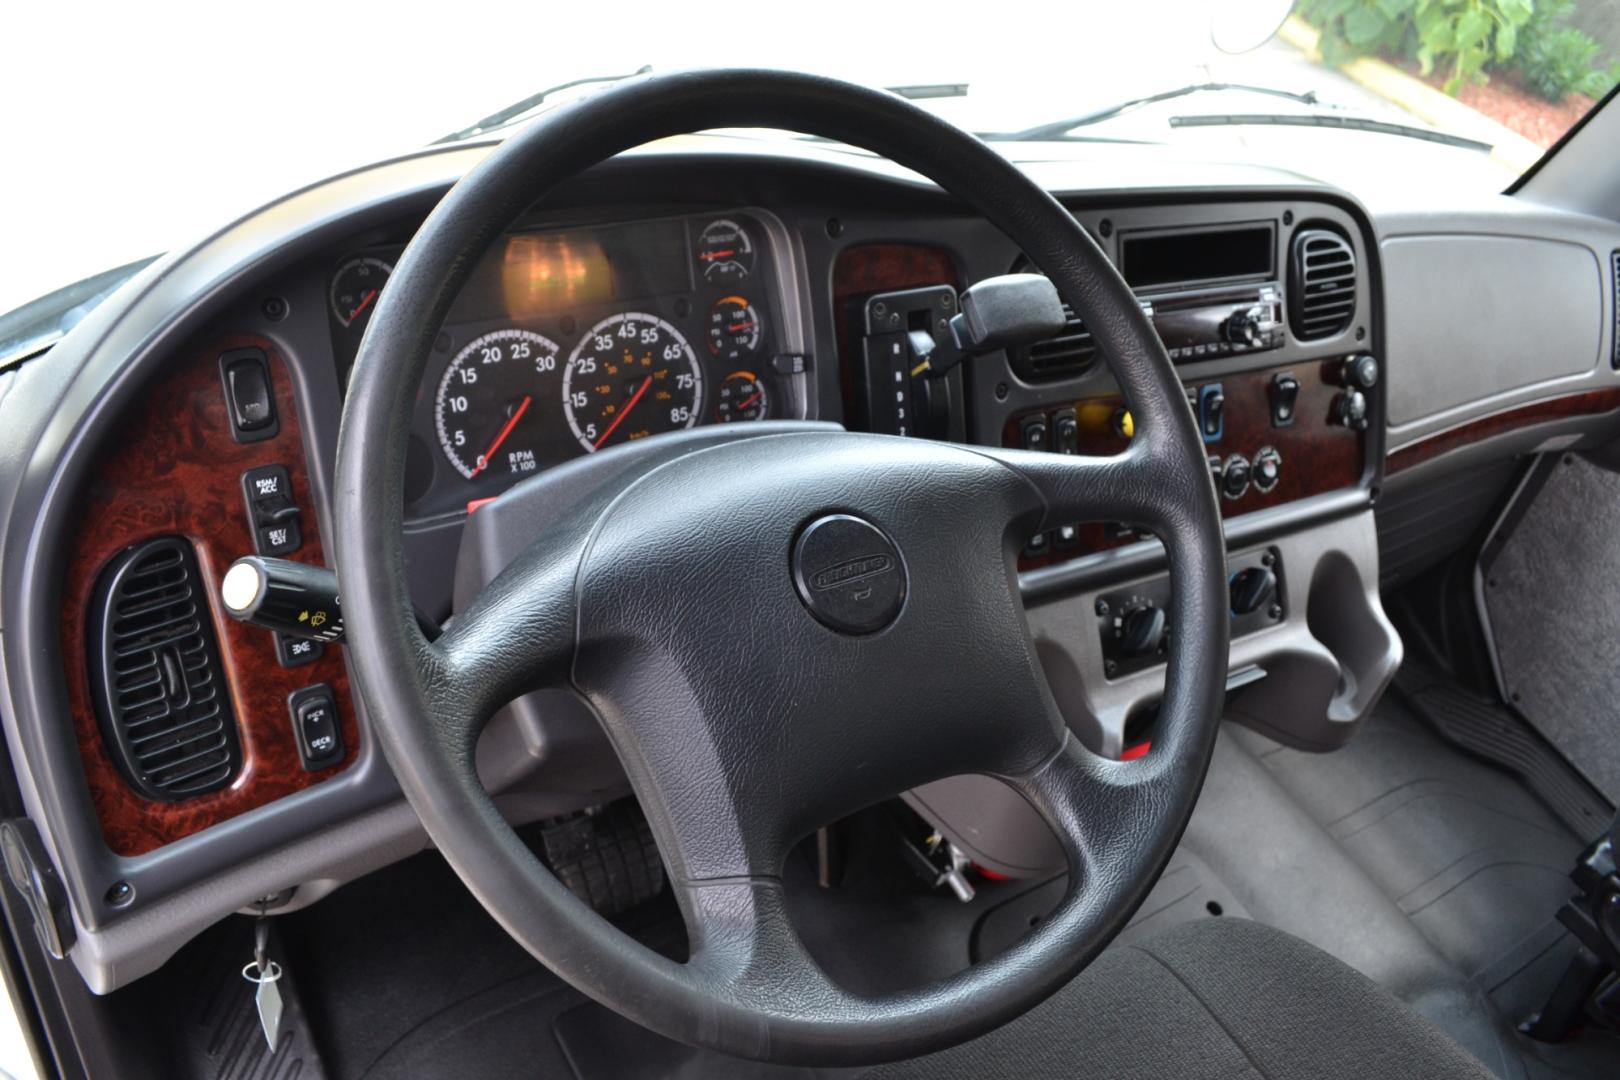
(1217, 998)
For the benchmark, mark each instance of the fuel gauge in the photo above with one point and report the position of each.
(741, 397)
(724, 252)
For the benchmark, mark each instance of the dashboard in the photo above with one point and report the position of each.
(702, 291)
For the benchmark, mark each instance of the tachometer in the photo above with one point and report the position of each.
(631, 376)
(725, 253)
(355, 288)
(490, 399)
(734, 328)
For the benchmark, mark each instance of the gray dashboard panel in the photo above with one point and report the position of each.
(1473, 317)
(1441, 351)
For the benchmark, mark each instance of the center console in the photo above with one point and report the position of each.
(1269, 312)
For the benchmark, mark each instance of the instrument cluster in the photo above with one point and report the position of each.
(566, 342)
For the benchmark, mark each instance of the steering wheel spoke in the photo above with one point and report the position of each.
(743, 939)
(1134, 486)
(1093, 805)
(516, 636)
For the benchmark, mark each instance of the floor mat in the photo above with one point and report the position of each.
(1552, 592)
(1488, 729)
(1471, 859)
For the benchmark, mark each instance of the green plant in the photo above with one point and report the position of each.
(1558, 60)
(1464, 34)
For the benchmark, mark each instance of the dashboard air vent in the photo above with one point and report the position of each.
(1066, 354)
(1321, 284)
(156, 676)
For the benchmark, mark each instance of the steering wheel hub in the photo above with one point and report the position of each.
(849, 574)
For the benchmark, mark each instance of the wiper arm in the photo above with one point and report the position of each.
(1348, 123)
(518, 108)
(1058, 129)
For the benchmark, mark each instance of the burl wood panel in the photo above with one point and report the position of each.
(1586, 403)
(173, 469)
(1317, 455)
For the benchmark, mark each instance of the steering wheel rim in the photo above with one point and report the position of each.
(720, 801)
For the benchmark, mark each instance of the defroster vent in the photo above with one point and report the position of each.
(1321, 284)
(156, 676)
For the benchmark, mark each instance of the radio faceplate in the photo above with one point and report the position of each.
(1232, 320)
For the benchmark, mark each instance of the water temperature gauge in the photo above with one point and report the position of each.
(741, 397)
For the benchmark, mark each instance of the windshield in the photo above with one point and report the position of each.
(135, 130)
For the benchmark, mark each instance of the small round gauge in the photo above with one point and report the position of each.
(741, 397)
(734, 328)
(725, 253)
(489, 403)
(355, 288)
(631, 376)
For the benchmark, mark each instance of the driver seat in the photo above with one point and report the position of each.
(1216, 998)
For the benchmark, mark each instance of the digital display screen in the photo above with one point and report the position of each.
(530, 274)
(1154, 259)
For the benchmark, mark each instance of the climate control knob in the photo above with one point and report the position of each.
(1141, 630)
(1251, 589)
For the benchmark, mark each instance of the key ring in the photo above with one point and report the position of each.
(273, 974)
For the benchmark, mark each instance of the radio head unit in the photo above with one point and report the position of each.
(1210, 291)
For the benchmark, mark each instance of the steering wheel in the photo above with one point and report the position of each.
(866, 582)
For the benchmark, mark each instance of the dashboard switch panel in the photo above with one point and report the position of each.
(249, 400)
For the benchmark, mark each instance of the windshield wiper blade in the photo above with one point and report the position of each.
(925, 91)
(1348, 123)
(1059, 128)
(518, 108)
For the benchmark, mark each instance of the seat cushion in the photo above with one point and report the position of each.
(1216, 998)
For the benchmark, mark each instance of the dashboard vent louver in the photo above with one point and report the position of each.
(1069, 352)
(1321, 284)
(156, 676)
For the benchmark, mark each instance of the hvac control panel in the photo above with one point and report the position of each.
(1134, 623)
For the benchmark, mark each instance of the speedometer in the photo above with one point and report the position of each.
(489, 403)
(632, 375)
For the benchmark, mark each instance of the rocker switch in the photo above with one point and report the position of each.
(248, 398)
(315, 723)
